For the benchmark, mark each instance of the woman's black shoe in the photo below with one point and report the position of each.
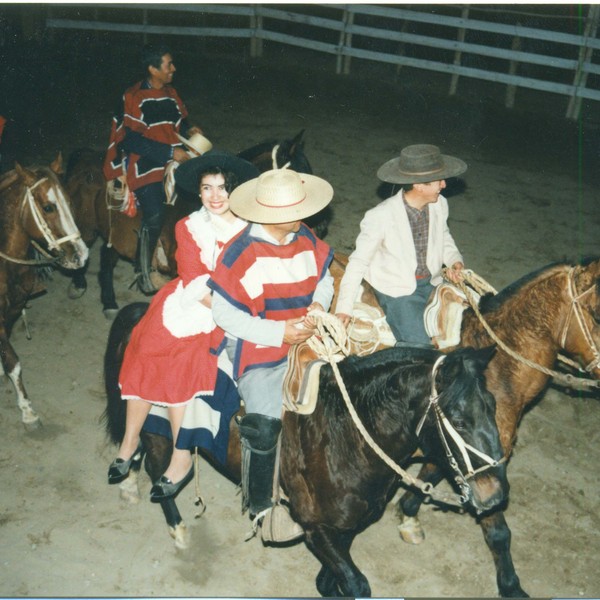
(164, 488)
(119, 468)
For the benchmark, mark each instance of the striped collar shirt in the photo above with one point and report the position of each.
(419, 225)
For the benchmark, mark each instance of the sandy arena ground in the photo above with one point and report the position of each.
(528, 198)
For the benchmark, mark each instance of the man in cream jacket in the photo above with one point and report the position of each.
(404, 241)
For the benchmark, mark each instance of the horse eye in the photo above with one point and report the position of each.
(48, 208)
(459, 425)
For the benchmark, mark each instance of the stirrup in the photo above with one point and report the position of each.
(276, 525)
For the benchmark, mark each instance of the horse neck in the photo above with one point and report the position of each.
(14, 238)
(529, 321)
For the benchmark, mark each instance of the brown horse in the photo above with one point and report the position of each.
(86, 186)
(555, 309)
(34, 209)
(336, 483)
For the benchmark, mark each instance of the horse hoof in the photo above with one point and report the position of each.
(75, 292)
(128, 491)
(181, 536)
(411, 531)
(30, 419)
(32, 425)
(110, 313)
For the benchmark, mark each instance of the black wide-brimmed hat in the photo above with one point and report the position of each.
(187, 175)
(421, 163)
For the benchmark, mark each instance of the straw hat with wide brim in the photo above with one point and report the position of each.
(187, 174)
(421, 163)
(197, 142)
(280, 196)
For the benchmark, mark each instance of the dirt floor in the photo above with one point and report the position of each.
(528, 198)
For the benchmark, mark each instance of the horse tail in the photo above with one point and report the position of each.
(118, 338)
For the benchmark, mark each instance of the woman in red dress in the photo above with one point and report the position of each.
(167, 361)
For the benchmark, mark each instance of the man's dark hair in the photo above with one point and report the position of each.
(152, 56)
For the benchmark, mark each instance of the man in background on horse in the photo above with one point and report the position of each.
(266, 282)
(144, 138)
(404, 241)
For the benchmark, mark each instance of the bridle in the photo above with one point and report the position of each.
(445, 427)
(274, 158)
(331, 344)
(53, 243)
(575, 309)
(565, 378)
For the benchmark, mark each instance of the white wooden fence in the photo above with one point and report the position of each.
(484, 42)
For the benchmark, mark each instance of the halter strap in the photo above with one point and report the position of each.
(444, 425)
(575, 309)
(274, 158)
(53, 242)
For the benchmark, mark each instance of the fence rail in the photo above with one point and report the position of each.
(547, 59)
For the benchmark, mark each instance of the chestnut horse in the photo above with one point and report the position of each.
(335, 482)
(86, 186)
(555, 309)
(34, 209)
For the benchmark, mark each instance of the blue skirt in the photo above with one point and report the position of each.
(206, 421)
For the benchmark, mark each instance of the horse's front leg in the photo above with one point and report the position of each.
(108, 262)
(409, 504)
(339, 575)
(158, 455)
(78, 284)
(12, 367)
(497, 536)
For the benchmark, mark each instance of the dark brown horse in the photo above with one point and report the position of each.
(336, 483)
(555, 309)
(34, 209)
(86, 186)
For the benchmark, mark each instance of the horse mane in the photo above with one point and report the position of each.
(401, 356)
(491, 302)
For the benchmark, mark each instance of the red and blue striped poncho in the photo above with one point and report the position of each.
(156, 115)
(270, 281)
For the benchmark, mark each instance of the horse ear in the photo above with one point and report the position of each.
(57, 165)
(298, 139)
(484, 355)
(26, 176)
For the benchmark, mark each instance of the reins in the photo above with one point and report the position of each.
(565, 378)
(331, 343)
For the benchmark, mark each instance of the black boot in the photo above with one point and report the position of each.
(259, 436)
(145, 251)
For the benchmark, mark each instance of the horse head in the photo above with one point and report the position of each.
(460, 424)
(581, 329)
(291, 153)
(46, 215)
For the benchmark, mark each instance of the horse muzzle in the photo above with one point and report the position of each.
(489, 489)
(73, 256)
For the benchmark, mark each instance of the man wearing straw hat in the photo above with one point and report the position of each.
(147, 132)
(404, 241)
(267, 279)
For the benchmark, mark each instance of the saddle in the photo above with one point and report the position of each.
(443, 315)
(367, 333)
(301, 382)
